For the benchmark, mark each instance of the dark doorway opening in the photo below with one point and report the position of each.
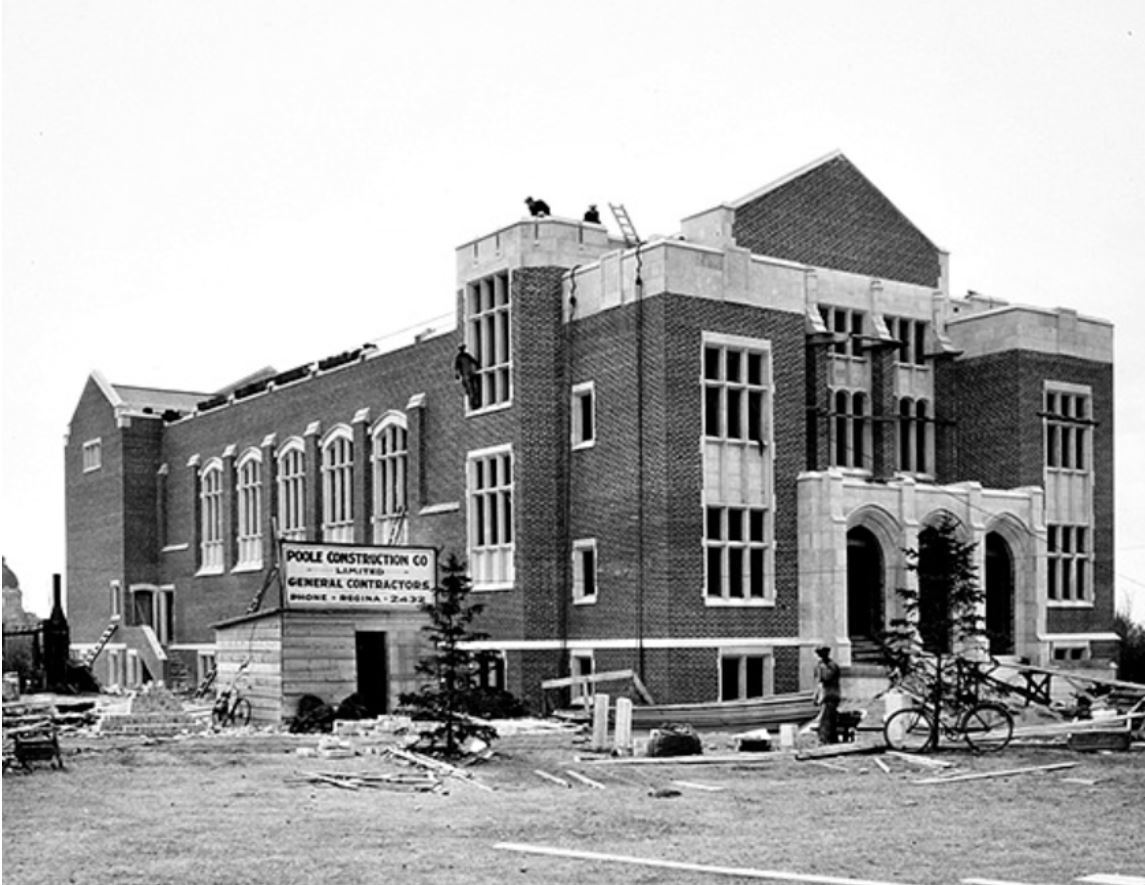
(999, 594)
(373, 674)
(865, 590)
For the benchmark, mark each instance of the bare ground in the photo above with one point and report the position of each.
(234, 810)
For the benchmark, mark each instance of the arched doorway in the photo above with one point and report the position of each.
(865, 586)
(999, 594)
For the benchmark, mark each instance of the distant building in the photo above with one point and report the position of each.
(698, 457)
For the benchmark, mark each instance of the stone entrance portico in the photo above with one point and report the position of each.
(834, 503)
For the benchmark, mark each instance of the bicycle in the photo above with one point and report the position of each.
(231, 707)
(986, 726)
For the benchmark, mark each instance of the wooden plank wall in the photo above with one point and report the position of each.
(261, 641)
(318, 654)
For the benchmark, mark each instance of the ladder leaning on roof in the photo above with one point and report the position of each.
(627, 228)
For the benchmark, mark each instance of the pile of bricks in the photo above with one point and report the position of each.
(152, 711)
(371, 736)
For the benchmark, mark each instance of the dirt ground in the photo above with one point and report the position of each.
(236, 810)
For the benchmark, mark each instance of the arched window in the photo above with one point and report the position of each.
(291, 490)
(338, 486)
(390, 463)
(211, 517)
(249, 490)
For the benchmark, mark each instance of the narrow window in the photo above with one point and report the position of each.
(92, 455)
(584, 570)
(583, 418)
(921, 430)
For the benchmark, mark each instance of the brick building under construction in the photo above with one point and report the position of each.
(697, 457)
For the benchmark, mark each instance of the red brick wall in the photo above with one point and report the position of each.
(832, 216)
(998, 439)
(94, 516)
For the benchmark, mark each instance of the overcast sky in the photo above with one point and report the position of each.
(194, 190)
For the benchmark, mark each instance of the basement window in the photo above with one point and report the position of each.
(745, 675)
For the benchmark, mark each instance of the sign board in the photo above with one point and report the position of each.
(342, 576)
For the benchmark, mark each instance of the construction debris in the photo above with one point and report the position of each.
(152, 711)
(552, 778)
(437, 766)
(986, 775)
(587, 781)
(401, 781)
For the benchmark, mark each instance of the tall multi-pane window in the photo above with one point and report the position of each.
(849, 327)
(490, 482)
(1068, 426)
(249, 491)
(487, 334)
(852, 430)
(1068, 554)
(915, 435)
(737, 386)
(338, 487)
(211, 517)
(735, 545)
(390, 458)
(738, 470)
(291, 491)
(911, 336)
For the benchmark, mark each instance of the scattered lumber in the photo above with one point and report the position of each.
(587, 781)
(692, 785)
(834, 766)
(344, 783)
(431, 764)
(986, 775)
(838, 750)
(730, 759)
(924, 761)
(741, 872)
(552, 777)
(886, 769)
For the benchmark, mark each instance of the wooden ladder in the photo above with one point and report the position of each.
(627, 228)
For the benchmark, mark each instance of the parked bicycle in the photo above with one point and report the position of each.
(231, 707)
(985, 725)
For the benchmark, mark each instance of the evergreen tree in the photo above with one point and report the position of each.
(450, 669)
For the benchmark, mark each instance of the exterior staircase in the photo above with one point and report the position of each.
(104, 638)
(865, 650)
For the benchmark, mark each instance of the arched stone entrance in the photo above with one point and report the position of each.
(1000, 596)
(866, 573)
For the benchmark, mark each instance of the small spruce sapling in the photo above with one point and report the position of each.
(942, 619)
(450, 669)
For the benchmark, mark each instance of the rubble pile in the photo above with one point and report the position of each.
(152, 711)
